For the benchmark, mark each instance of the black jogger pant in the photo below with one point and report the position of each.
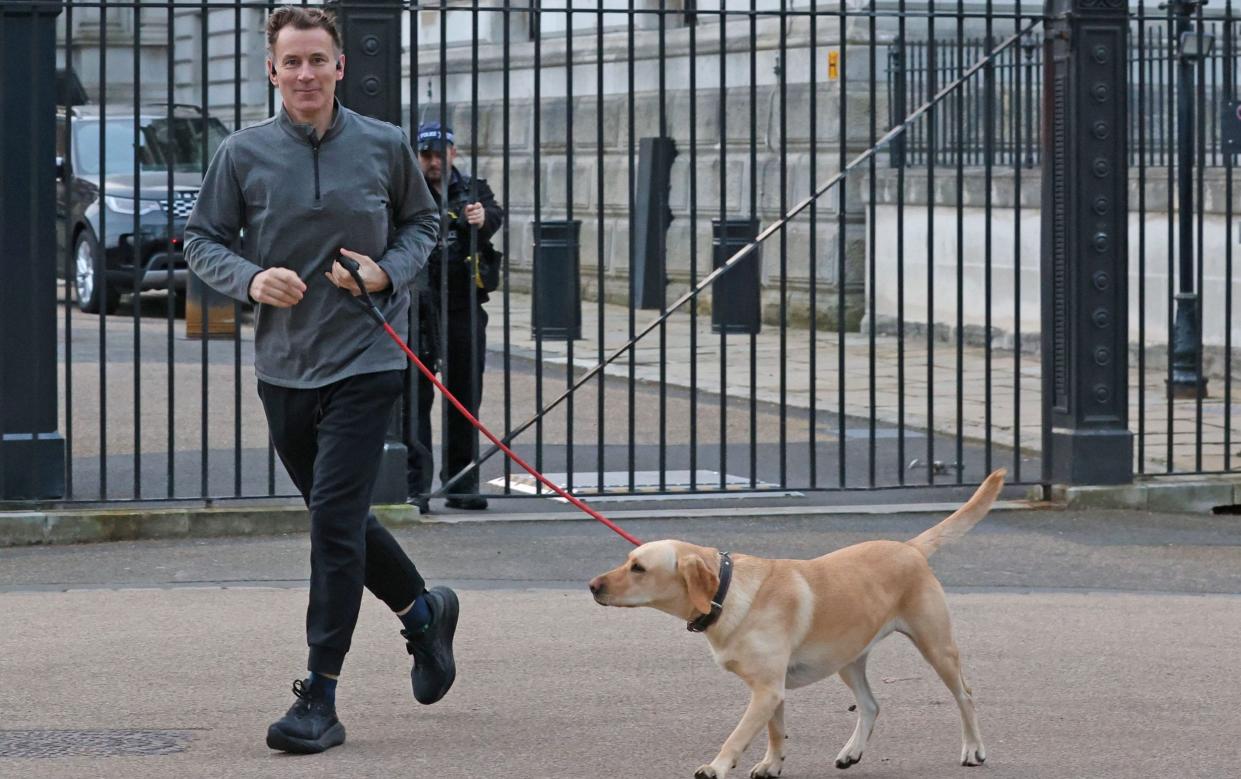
(331, 441)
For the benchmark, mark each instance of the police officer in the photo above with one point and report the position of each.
(466, 267)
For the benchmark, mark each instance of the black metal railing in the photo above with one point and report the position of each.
(1182, 109)
(1012, 110)
(1154, 52)
(1184, 94)
(895, 311)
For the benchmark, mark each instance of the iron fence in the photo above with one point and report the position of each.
(1015, 85)
(886, 342)
(959, 131)
(1175, 265)
(1182, 175)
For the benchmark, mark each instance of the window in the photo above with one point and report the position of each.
(160, 144)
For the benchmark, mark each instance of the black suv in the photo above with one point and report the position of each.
(125, 259)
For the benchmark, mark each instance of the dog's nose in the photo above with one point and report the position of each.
(596, 585)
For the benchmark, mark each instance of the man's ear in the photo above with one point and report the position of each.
(701, 581)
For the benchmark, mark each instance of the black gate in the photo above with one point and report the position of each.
(890, 331)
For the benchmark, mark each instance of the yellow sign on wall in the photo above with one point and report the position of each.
(833, 65)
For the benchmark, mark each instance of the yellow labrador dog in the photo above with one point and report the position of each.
(782, 624)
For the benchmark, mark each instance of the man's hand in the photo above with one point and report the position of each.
(475, 214)
(279, 287)
(374, 277)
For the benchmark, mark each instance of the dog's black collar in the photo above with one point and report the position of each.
(705, 621)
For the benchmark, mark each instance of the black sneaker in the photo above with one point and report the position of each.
(434, 669)
(467, 502)
(309, 726)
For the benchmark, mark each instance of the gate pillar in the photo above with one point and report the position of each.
(32, 451)
(1086, 436)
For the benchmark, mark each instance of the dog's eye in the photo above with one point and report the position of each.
(637, 568)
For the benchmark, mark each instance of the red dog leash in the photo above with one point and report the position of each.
(369, 305)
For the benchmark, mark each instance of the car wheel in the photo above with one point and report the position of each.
(95, 295)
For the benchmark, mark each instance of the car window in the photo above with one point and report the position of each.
(160, 144)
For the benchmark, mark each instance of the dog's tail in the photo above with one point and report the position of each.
(963, 519)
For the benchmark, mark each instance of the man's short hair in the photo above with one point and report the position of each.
(302, 18)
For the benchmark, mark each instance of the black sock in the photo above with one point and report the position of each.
(323, 687)
(418, 618)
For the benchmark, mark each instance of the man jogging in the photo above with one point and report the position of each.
(280, 203)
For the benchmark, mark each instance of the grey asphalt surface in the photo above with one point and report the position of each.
(1098, 644)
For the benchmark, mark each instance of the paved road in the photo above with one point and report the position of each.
(1098, 645)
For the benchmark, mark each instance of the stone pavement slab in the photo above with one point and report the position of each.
(1069, 684)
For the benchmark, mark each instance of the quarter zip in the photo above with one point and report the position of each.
(315, 151)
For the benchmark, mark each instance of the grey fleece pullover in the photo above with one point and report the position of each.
(300, 200)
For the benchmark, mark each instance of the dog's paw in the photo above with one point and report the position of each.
(844, 761)
(706, 772)
(768, 769)
(973, 756)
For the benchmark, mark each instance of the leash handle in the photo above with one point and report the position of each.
(364, 299)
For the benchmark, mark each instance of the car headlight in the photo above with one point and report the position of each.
(125, 205)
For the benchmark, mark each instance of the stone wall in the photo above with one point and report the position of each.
(723, 130)
(100, 47)
(632, 66)
(1015, 260)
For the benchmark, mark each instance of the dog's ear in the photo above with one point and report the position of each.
(700, 581)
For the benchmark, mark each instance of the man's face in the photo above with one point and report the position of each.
(432, 163)
(305, 67)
